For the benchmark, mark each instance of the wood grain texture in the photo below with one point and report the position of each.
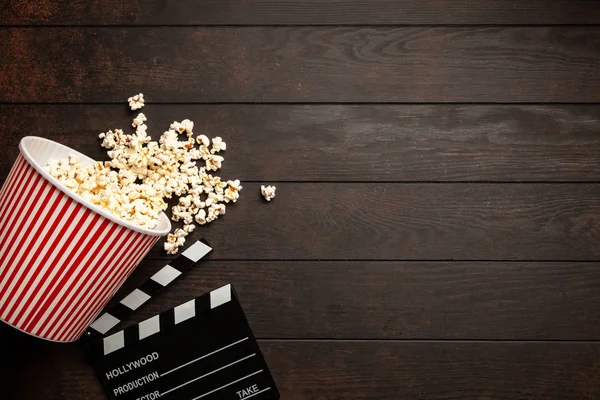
(360, 221)
(301, 64)
(410, 222)
(306, 12)
(346, 143)
(372, 274)
(437, 371)
(397, 300)
(348, 370)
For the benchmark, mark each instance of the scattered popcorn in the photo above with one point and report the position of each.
(268, 192)
(136, 102)
(142, 174)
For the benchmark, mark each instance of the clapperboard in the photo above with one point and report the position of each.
(202, 349)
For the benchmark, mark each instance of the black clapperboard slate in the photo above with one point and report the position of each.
(202, 349)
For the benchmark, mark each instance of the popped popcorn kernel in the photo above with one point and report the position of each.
(201, 217)
(232, 193)
(177, 127)
(139, 120)
(203, 140)
(136, 102)
(214, 163)
(189, 228)
(188, 126)
(171, 248)
(218, 145)
(268, 192)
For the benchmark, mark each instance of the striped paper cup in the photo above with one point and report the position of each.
(61, 257)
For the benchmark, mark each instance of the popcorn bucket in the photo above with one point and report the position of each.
(61, 257)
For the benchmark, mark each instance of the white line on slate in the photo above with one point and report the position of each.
(205, 375)
(229, 384)
(204, 356)
(257, 393)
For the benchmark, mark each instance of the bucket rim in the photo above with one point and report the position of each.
(163, 227)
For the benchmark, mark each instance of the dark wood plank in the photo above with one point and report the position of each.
(346, 143)
(321, 221)
(301, 64)
(349, 370)
(308, 221)
(411, 221)
(398, 300)
(441, 371)
(260, 12)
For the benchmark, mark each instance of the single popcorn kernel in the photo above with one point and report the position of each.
(214, 163)
(268, 192)
(201, 217)
(232, 193)
(203, 140)
(139, 120)
(136, 102)
(188, 126)
(218, 145)
(178, 127)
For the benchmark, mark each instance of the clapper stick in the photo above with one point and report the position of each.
(133, 301)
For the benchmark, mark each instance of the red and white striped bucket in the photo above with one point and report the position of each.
(61, 257)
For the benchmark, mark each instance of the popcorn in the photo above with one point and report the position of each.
(139, 120)
(215, 197)
(177, 127)
(185, 201)
(180, 233)
(217, 209)
(218, 145)
(171, 248)
(214, 211)
(201, 217)
(142, 173)
(214, 163)
(178, 213)
(203, 140)
(53, 168)
(177, 237)
(174, 241)
(232, 193)
(189, 228)
(188, 126)
(136, 102)
(71, 183)
(268, 192)
(140, 130)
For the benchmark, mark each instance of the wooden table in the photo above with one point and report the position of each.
(436, 230)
